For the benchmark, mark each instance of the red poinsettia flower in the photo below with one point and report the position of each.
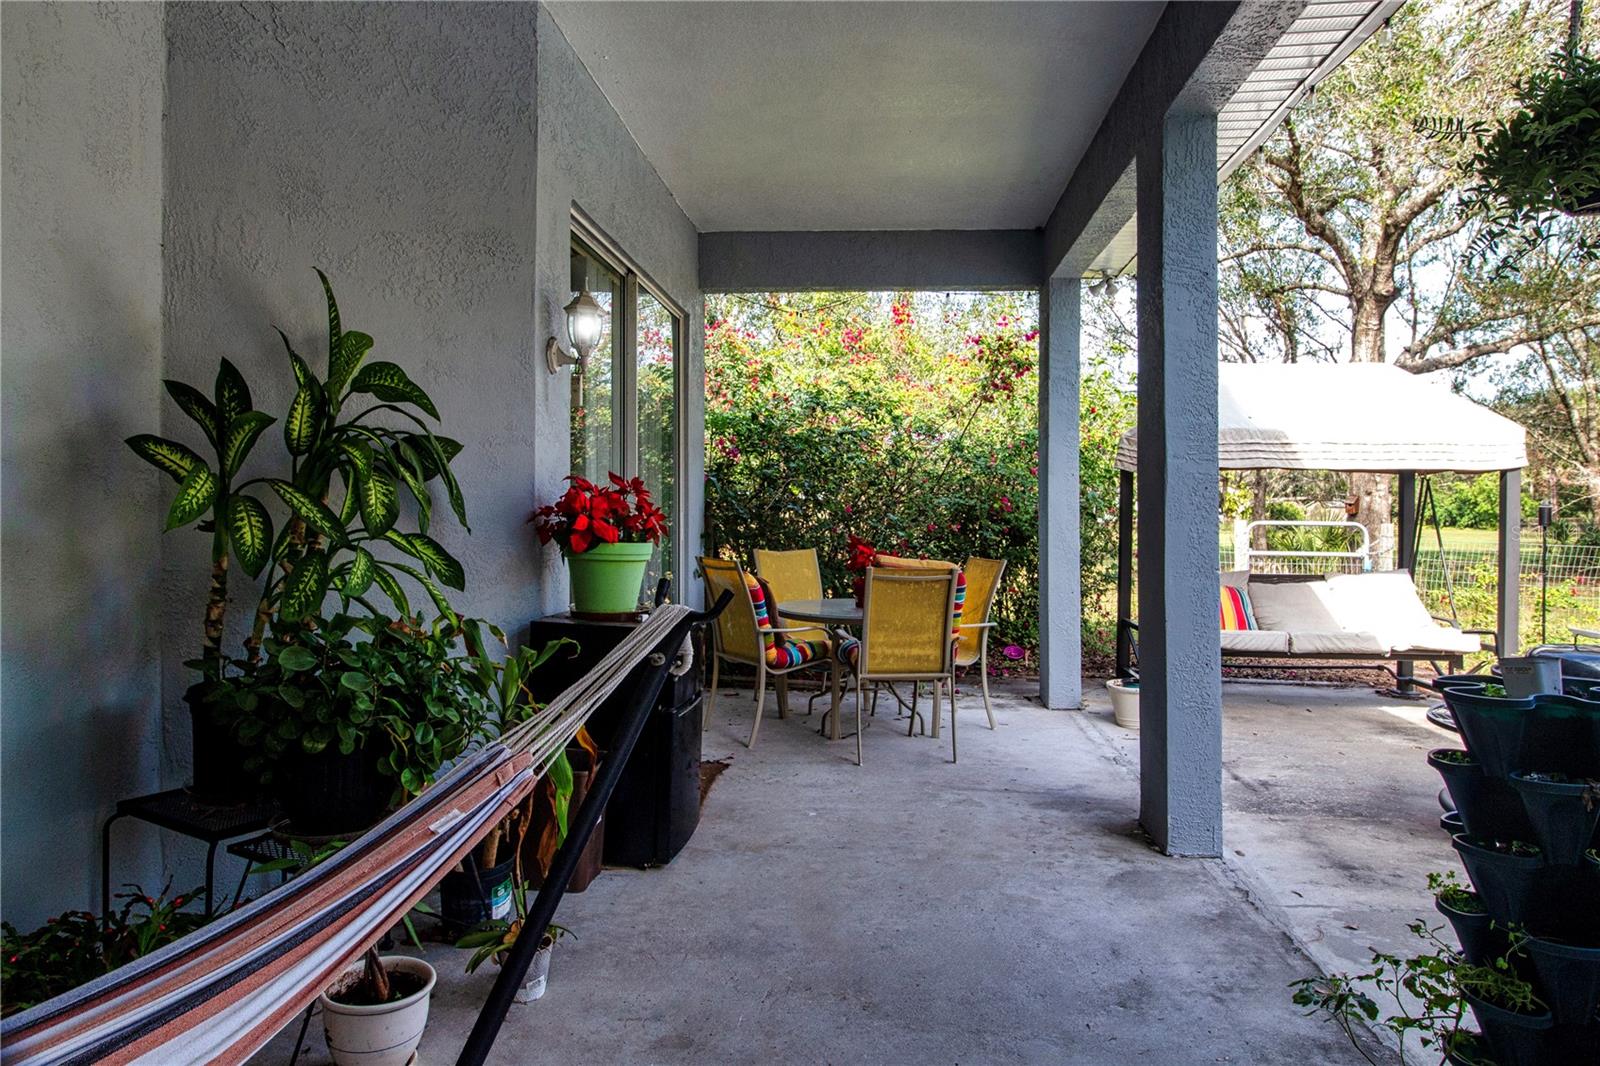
(587, 514)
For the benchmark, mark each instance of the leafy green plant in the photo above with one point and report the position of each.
(77, 946)
(1499, 984)
(347, 475)
(206, 499)
(1412, 996)
(391, 688)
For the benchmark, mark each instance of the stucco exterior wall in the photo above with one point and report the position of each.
(81, 333)
(394, 146)
(587, 157)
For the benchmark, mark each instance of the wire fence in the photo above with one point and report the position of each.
(1557, 592)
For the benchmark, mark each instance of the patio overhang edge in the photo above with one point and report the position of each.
(1196, 59)
(852, 260)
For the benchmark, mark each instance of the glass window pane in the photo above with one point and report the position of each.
(658, 416)
(594, 398)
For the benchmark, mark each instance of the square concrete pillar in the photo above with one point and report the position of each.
(1060, 581)
(1180, 706)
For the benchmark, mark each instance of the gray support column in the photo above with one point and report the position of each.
(1180, 706)
(1406, 554)
(1125, 512)
(1510, 560)
(689, 537)
(1060, 580)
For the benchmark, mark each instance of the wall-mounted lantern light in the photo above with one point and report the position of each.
(585, 320)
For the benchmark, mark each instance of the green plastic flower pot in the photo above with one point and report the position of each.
(606, 578)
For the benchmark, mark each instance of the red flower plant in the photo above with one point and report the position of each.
(861, 554)
(588, 514)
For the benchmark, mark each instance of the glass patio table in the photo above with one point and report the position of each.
(832, 611)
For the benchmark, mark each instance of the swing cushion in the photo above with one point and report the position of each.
(1386, 605)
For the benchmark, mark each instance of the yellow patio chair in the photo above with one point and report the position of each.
(792, 575)
(745, 634)
(907, 618)
(972, 630)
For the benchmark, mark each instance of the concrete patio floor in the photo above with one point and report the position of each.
(1004, 909)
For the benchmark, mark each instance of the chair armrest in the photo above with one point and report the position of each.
(976, 625)
(796, 629)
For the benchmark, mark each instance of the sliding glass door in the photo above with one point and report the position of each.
(626, 398)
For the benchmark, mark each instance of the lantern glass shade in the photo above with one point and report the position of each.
(585, 320)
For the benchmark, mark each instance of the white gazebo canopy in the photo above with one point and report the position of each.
(1352, 417)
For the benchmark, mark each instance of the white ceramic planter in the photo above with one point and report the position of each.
(383, 1035)
(538, 973)
(1124, 702)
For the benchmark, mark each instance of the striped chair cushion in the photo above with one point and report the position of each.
(781, 652)
(1235, 610)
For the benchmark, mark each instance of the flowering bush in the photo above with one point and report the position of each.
(587, 514)
(912, 420)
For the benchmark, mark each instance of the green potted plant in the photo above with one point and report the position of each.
(1476, 932)
(606, 533)
(239, 526)
(355, 713)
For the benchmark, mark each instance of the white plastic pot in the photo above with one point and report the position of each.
(533, 985)
(1124, 702)
(382, 1035)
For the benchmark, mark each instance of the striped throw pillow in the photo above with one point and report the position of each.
(1235, 609)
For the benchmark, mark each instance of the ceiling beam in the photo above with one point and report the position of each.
(860, 260)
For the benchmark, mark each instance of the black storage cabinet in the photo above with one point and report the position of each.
(656, 806)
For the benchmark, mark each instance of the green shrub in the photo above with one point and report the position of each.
(909, 421)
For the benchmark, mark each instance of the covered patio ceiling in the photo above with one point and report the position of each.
(925, 116)
(876, 116)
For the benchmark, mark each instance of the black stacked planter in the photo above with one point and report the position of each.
(1528, 809)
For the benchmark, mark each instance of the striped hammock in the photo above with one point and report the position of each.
(220, 993)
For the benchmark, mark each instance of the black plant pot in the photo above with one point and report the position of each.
(1492, 728)
(1568, 979)
(1509, 885)
(330, 794)
(470, 897)
(1563, 816)
(219, 774)
(1515, 1039)
(1451, 823)
(1480, 939)
(1488, 806)
(1563, 737)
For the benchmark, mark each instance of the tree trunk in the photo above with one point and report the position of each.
(216, 611)
(1591, 479)
(1373, 493)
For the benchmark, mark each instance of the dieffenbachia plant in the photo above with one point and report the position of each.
(238, 522)
(348, 475)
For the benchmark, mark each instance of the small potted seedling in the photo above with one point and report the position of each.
(1480, 939)
(496, 938)
(375, 1012)
(1514, 1021)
